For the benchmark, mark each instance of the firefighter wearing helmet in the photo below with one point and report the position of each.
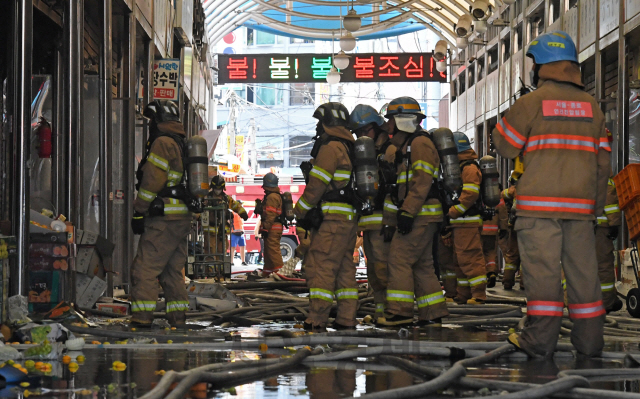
(162, 221)
(326, 209)
(417, 211)
(559, 129)
(217, 232)
(365, 121)
(463, 235)
(271, 224)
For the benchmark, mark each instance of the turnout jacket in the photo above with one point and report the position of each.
(611, 216)
(560, 131)
(163, 168)
(272, 209)
(415, 176)
(331, 171)
(471, 180)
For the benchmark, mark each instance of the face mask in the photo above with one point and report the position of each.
(217, 191)
(407, 123)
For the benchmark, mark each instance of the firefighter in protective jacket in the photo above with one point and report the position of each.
(271, 224)
(560, 130)
(410, 268)
(217, 195)
(162, 221)
(365, 121)
(466, 224)
(606, 233)
(325, 208)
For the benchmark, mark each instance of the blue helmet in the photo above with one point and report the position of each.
(404, 105)
(552, 47)
(362, 115)
(462, 141)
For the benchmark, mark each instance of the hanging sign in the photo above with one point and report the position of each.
(166, 77)
(308, 68)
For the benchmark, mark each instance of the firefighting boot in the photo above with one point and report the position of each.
(429, 323)
(313, 329)
(449, 300)
(177, 319)
(617, 305)
(475, 301)
(394, 320)
(491, 279)
(340, 327)
(514, 339)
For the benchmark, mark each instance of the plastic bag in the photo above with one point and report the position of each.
(18, 308)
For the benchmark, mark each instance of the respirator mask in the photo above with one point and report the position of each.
(406, 122)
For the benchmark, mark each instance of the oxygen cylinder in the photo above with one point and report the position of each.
(198, 166)
(287, 206)
(490, 181)
(449, 164)
(366, 166)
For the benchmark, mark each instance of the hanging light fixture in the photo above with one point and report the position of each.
(347, 42)
(352, 22)
(333, 76)
(341, 60)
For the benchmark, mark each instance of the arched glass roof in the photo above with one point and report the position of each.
(320, 19)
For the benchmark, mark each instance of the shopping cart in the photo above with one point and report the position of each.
(213, 261)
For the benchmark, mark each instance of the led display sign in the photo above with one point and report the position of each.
(308, 68)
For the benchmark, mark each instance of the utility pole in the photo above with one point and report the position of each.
(232, 124)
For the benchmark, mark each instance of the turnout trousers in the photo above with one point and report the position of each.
(330, 272)
(411, 274)
(544, 244)
(509, 248)
(469, 263)
(606, 272)
(162, 254)
(489, 250)
(272, 255)
(447, 268)
(377, 252)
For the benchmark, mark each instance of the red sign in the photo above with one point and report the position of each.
(566, 109)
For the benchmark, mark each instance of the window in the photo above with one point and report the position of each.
(554, 11)
(506, 48)
(462, 82)
(302, 93)
(517, 38)
(518, 7)
(297, 155)
(472, 75)
(265, 38)
(268, 94)
(300, 40)
(454, 90)
(480, 68)
(493, 59)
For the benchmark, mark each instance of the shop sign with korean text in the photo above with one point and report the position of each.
(166, 79)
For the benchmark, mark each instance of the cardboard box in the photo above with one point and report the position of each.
(115, 308)
(46, 263)
(89, 262)
(52, 250)
(92, 292)
(44, 287)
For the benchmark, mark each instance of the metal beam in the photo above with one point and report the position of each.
(23, 51)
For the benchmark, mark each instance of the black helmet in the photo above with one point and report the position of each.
(217, 182)
(270, 180)
(332, 114)
(162, 111)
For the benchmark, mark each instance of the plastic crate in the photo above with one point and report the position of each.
(628, 185)
(632, 214)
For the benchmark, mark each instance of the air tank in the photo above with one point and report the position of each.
(287, 206)
(490, 181)
(366, 166)
(198, 165)
(449, 164)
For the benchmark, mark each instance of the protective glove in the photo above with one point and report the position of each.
(405, 222)
(137, 223)
(446, 238)
(387, 232)
(264, 233)
(503, 234)
(613, 232)
(244, 216)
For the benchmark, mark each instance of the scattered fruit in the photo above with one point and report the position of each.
(95, 342)
(95, 388)
(24, 384)
(173, 328)
(169, 341)
(38, 365)
(66, 359)
(133, 385)
(73, 367)
(263, 347)
(106, 343)
(80, 359)
(111, 388)
(29, 364)
(160, 372)
(133, 329)
(10, 362)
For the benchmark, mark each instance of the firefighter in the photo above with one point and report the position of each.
(466, 224)
(410, 268)
(325, 207)
(559, 129)
(606, 233)
(162, 221)
(508, 240)
(365, 121)
(217, 195)
(489, 237)
(271, 228)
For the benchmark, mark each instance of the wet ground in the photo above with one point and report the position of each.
(97, 378)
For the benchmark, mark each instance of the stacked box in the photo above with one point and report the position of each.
(48, 260)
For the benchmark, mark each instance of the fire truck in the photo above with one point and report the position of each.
(249, 188)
